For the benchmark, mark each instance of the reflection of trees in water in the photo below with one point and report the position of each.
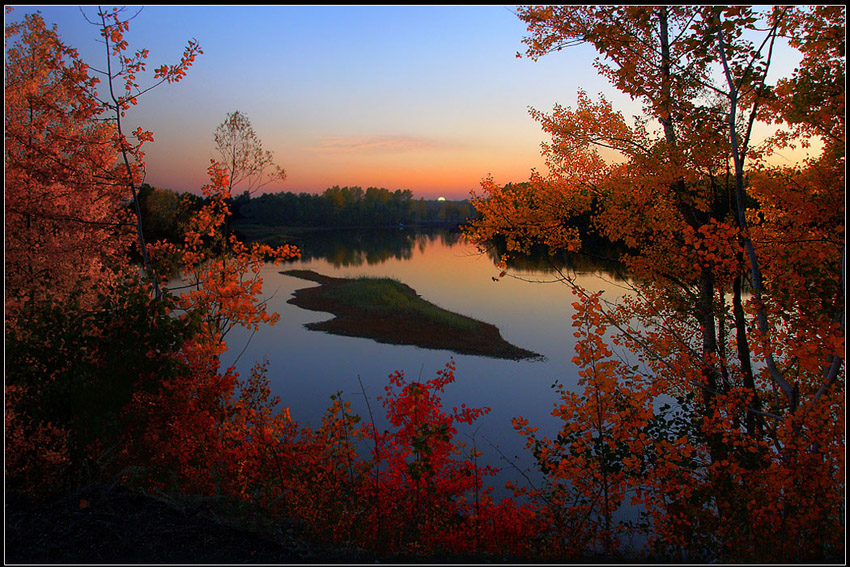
(344, 248)
(450, 238)
(594, 258)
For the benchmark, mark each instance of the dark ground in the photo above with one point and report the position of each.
(111, 524)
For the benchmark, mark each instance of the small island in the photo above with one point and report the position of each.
(388, 311)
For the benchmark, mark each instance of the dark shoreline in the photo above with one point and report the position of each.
(391, 326)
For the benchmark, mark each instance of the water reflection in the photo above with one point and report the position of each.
(533, 311)
(594, 258)
(353, 248)
(344, 248)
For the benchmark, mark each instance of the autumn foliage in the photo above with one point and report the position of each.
(710, 400)
(58, 165)
(115, 372)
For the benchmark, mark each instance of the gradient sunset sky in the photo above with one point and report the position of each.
(427, 98)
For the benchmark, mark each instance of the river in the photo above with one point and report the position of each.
(530, 306)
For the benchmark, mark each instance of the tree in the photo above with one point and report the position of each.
(97, 357)
(80, 326)
(118, 100)
(56, 191)
(703, 216)
(221, 273)
(160, 213)
(242, 152)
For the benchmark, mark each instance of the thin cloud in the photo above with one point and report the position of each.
(378, 144)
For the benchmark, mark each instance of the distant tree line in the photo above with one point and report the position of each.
(350, 207)
(165, 212)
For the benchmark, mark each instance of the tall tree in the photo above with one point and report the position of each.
(123, 90)
(699, 220)
(90, 349)
(242, 152)
(80, 326)
(56, 157)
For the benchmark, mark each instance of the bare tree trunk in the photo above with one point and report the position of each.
(761, 317)
(666, 121)
(137, 207)
(754, 425)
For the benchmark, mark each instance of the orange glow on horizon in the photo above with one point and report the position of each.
(453, 171)
(429, 174)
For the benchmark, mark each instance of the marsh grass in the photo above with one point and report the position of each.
(387, 295)
(386, 310)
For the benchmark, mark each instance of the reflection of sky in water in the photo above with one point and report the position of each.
(306, 367)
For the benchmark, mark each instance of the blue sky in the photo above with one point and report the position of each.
(427, 98)
(430, 98)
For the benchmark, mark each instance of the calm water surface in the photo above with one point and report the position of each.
(531, 309)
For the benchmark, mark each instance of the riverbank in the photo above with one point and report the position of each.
(389, 311)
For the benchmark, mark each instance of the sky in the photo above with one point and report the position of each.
(427, 98)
